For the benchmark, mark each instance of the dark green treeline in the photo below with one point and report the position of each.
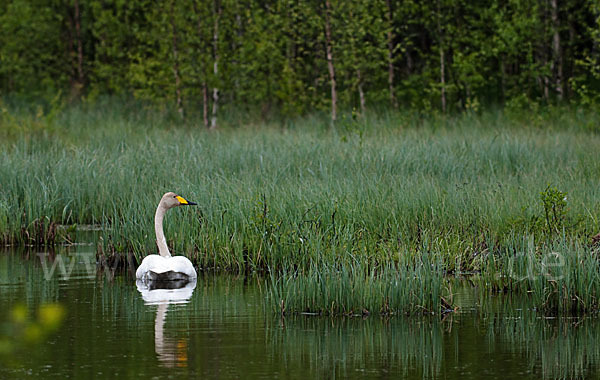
(296, 56)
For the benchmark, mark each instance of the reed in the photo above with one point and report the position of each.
(299, 197)
(359, 289)
(561, 277)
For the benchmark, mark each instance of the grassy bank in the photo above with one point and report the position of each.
(291, 197)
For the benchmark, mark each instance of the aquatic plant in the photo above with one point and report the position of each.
(299, 197)
(562, 277)
(407, 287)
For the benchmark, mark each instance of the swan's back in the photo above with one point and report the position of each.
(158, 268)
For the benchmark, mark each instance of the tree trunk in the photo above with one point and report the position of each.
(390, 43)
(557, 62)
(203, 66)
(236, 47)
(545, 82)
(178, 98)
(357, 66)
(502, 79)
(215, 94)
(443, 78)
(361, 93)
(442, 59)
(205, 103)
(569, 71)
(330, 66)
(541, 51)
(80, 74)
(75, 51)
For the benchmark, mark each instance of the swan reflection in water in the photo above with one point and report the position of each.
(171, 352)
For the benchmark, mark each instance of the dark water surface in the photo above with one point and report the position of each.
(221, 329)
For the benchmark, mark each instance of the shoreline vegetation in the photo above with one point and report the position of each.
(369, 215)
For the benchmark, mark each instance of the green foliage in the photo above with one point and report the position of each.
(554, 203)
(270, 55)
(32, 60)
(561, 277)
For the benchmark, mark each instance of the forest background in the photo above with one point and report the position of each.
(293, 57)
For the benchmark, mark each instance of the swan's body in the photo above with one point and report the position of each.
(164, 267)
(158, 268)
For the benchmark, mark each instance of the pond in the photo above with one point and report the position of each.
(219, 327)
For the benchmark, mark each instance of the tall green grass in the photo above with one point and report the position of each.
(289, 196)
(562, 277)
(415, 287)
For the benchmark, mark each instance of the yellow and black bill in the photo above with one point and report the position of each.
(184, 202)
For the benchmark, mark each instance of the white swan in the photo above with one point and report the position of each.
(165, 267)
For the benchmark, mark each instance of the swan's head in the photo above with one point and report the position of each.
(170, 200)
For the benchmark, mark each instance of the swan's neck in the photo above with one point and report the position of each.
(163, 250)
(161, 313)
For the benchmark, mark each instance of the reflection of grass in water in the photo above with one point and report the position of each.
(25, 283)
(556, 348)
(564, 348)
(22, 280)
(416, 346)
(424, 347)
(339, 347)
(215, 297)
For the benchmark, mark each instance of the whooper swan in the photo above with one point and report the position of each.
(165, 267)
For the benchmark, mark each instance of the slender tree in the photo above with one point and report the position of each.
(441, 39)
(330, 66)
(79, 39)
(199, 54)
(215, 95)
(390, 52)
(176, 73)
(75, 48)
(557, 61)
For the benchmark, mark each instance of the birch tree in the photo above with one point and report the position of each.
(215, 92)
(330, 65)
